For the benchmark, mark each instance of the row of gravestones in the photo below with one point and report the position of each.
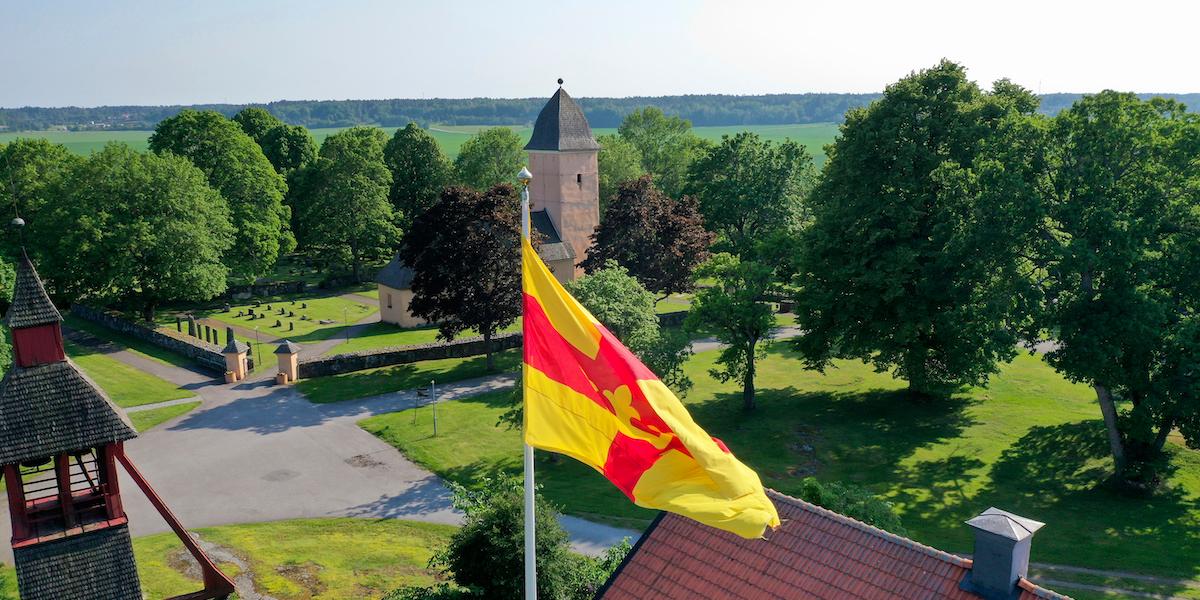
(211, 335)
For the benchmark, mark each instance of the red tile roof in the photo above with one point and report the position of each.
(816, 553)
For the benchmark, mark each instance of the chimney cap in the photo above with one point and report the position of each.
(1005, 524)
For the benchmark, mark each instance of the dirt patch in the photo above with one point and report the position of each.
(804, 448)
(364, 461)
(306, 575)
(181, 561)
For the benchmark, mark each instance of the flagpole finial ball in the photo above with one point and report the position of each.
(524, 176)
(560, 81)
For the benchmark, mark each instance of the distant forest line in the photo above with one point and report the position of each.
(701, 110)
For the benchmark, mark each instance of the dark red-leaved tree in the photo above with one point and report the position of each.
(658, 239)
(465, 255)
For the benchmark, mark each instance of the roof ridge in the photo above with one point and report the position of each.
(872, 530)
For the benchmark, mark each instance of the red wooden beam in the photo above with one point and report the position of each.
(216, 583)
(16, 503)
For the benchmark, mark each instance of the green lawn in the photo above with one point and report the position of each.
(813, 135)
(372, 382)
(8, 583)
(1030, 442)
(146, 419)
(674, 303)
(304, 559)
(328, 307)
(125, 385)
(383, 335)
(130, 343)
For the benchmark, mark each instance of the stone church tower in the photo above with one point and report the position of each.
(566, 183)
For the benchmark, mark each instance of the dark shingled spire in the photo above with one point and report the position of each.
(561, 126)
(30, 304)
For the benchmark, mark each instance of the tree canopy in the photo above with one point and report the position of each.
(1118, 258)
(912, 261)
(31, 171)
(667, 146)
(490, 157)
(658, 239)
(140, 229)
(289, 147)
(749, 188)
(342, 211)
(256, 122)
(619, 161)
(465, 256)
(237, 168)
(420, 171)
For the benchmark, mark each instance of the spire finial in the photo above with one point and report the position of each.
(560, 82)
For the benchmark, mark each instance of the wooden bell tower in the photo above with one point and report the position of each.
(61, 439)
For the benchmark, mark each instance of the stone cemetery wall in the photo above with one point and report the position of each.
(206, 355)
(399, 355)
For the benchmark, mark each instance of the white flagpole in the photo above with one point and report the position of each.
(530, 541)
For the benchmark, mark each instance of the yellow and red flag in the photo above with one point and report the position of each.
(588, 397)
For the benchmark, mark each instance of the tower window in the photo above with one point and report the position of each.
(579, 178)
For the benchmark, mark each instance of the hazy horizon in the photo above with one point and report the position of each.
(146, 53)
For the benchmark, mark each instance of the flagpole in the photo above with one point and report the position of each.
(530, 540)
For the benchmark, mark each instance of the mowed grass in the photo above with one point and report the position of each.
(330, 559)
(125, 385)
(126, 342)
(373, 382)
(340, 312)
(1030, 442)
(814, 136)
(8, 583)
(146, 419)
(385, 335)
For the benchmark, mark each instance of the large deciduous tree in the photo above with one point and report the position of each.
(1120, 255)
(140, 229)
(660, 240)
(30, 173)
(667, 146)
(289, 147)
(256, 122)
(749, 188)
(465, 256)
(913, 260)
(490, 157)
(420, 171)
(618, 161)
(341, 206)
(237, 168)
(737, 310)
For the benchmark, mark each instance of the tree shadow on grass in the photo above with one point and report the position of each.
(858, 437)
(1059, 475)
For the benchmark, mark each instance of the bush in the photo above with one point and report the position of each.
(485, 558)
(854, 502)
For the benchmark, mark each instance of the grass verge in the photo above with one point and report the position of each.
(130, 343)
(372, 382)
(125, 385)
(385, 335)
(303, 559)
(147, 419)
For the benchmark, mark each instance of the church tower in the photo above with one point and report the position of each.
(566, 183)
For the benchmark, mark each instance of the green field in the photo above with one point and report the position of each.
(147, 419)
(812, 135)
(1030, 442)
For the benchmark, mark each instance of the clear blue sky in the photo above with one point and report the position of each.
(85, 52)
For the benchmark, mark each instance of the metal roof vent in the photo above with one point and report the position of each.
(1001, 557)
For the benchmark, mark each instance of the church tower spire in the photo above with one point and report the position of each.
(566, 185)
